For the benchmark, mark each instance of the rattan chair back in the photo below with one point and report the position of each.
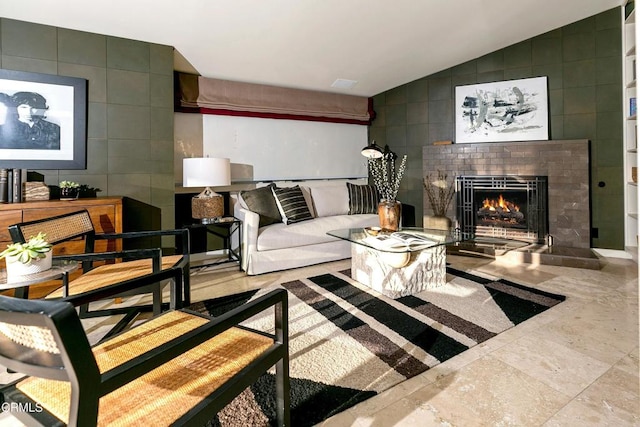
(45, 339)
(57, 229)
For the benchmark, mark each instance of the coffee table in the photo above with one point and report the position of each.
(399, 269)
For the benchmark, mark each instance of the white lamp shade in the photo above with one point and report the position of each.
(206, 172)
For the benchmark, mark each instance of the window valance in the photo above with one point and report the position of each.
(223, 97)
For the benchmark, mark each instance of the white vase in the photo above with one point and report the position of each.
(15, 268)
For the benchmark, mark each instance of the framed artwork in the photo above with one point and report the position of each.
(512, 110)
(43, 121)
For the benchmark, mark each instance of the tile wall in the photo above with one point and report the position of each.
(583, 65)
(130, 107)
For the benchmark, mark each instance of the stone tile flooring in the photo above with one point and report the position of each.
(575, 364)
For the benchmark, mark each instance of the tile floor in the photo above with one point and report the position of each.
(573, 365)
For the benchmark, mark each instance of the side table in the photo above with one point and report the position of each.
(59, 270)
(225, 228)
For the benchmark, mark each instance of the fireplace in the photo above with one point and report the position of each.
(513, 207)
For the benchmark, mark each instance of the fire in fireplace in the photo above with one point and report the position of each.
(503, 206)
(497, 211)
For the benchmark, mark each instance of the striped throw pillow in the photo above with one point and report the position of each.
(363, 199)
(293, 207)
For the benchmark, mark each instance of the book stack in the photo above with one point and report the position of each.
(10, 185)
(632, 107)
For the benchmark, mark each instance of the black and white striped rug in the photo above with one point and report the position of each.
(349, 343)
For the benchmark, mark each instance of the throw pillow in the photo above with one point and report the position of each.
(262, 202)
(363, 199)
(330, 200)
(293, 206)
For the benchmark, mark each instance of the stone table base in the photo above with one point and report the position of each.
(424, 269)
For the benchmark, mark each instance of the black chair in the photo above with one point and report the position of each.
(141, 271)
(179, 368)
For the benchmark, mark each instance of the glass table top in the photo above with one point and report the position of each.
(407, 239)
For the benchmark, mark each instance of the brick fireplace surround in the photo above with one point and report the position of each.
(565, 163)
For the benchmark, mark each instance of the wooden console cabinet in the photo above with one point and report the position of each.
(105, 212)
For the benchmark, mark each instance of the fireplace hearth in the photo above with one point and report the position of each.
(513, 207)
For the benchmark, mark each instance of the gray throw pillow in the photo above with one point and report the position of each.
(262, 202)
(363, 199)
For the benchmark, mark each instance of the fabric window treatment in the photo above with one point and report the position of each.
(203, 95)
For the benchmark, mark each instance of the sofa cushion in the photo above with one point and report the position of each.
(363, 199)
(292, 204)
(262, 202)
(280, 236)
(330, 200)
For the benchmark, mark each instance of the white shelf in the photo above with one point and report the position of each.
(630, 129)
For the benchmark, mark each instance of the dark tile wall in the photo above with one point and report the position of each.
(584, 68)
(565, 163)
(130, 107)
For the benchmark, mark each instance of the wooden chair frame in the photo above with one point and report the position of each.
(77, 365)
(78, 225)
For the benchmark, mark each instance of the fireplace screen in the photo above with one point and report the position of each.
(503, 206)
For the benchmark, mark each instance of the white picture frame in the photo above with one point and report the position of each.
(510, 110)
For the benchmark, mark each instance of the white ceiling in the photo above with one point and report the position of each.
(309, 44)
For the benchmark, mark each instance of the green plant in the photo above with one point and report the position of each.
(69, 184)
(36, 247)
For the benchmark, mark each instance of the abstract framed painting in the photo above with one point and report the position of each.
(43, 121)
(511, 110)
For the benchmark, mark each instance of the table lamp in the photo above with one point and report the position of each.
(207, 206)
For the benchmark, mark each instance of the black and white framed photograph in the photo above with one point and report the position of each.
(511, 110)
(43, 121)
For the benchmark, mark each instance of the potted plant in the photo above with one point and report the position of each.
(440, 192)
(387, 181)
(30, 257)
(69, 190)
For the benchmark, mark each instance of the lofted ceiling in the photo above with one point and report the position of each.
(309, 44)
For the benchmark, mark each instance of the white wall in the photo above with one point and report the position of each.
(270, 149)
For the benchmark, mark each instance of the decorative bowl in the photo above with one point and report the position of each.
(372, 231)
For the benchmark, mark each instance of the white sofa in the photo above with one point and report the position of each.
(283, 246)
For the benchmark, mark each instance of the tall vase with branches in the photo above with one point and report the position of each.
(386, 179)
(440, 193)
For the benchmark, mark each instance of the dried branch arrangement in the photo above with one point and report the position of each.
(385, 177)
(439, 192)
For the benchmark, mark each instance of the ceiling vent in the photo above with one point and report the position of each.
(344, 83)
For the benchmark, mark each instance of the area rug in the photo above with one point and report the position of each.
(349, 343)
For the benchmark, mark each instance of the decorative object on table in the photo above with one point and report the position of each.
(440, 192)
(34, 191)
(4, 185)
(31, 257)
(208, 206)
(88, 192)
(69, 190)
(387, 181)
(513, 110)
(17, 186)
